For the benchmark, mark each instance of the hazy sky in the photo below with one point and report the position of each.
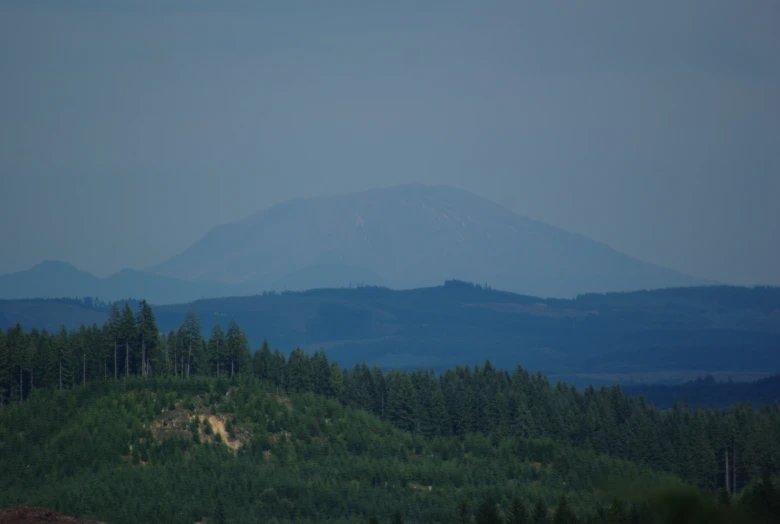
(126, 132)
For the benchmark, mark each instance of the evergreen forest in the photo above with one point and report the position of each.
(123, 423)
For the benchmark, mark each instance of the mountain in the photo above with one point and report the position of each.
(54, 279)
(50, 278)
(668, 335)
(414, 236)
(401, 237)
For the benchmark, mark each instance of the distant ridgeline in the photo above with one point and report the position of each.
(650, 336)
(690, 443)
(709, 393)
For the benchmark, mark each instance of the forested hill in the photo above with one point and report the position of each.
(182, 427)
(601, 338)
(242, 451)
(459, 401)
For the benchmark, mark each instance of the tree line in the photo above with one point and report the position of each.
(712, 448)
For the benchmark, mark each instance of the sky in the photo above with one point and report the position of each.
(129, 129)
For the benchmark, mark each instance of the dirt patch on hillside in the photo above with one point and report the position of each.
(178, 422)
(28, 515)
(218, 428)
(173, 422)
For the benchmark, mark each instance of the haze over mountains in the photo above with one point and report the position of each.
(400, 237)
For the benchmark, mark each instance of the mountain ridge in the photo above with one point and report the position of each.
(57, 279)
(650, 336)
(400, 237)
(412, 236)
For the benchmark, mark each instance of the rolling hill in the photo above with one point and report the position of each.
(665, 335)
(56, 279)
(412, 236)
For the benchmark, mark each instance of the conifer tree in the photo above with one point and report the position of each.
(128, 339)
(261, 359)
(518, 513)
(298, 371)
(438, 416)
(4, 369)
(149, 342)
(336, 380)
(219, 515)
(217, 351)
(401, 405)
(190, 339)
(540, 513)
(487, 513)
(62, 362)
(563, 514)
(320, 373)
(234, 341)
(240, 359)
(464, 515)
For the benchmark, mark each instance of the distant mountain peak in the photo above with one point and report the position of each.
(55, 264)
(415, 235)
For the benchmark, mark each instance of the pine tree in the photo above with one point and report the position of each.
(16, 345)
(401, 404)
(42, 376)
(240, 360)
(336, 380)
(357, 389)
(540, 513)
(149, 342)
(261, 360)
(4, 370)
(518, 514)
(380, 392)
(563, 514)
(62, 360)
(217, 350)
(189, 342)
(219, 514)
(276, 368)
(96, 362)
(299, 371)
(320, 373)
(113, 332)
(438, 416)
(487, 513)
(78, 345)
(464, 516)
(128, 340)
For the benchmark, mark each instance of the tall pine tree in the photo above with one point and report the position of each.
(217, 350)
(148, 357)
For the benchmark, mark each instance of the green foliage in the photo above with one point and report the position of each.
(318, 442)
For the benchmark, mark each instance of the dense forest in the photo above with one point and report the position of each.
(123, 423)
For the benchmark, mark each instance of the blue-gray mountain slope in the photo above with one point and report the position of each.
(411, 236)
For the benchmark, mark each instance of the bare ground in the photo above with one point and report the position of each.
(28, 515)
